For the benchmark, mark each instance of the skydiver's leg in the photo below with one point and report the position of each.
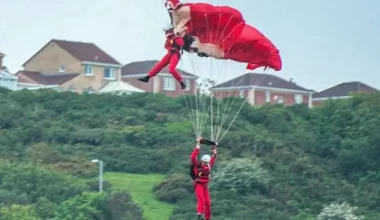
(200, 197)
(174, 60)
(157, 68)
(207, 202)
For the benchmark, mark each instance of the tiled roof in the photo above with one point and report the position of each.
(143, 67)
(47, 79)
(84, 52)
(344, 89)
(261, 80)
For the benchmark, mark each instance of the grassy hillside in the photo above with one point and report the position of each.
(140, 186)
(276, 162)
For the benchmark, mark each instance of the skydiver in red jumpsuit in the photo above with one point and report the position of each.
(173, 45)
(201, 170)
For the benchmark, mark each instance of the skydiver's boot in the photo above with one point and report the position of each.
(183, 85)
(144, 79)
(200, 217)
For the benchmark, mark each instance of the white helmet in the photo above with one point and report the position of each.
(206, 158)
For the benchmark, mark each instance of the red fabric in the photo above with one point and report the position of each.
(219, 25)
(170, 58)
(204, 200)
(225, 28)
(173, 42)
(255, 49)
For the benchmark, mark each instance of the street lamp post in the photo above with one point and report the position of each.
(100, 173)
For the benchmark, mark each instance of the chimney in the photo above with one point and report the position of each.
(1, 60)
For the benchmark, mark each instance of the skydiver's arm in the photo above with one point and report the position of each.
(194, 154)
(213, 157)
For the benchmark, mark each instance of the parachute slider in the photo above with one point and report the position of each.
(207, 142)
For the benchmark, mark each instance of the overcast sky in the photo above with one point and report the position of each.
(322, 42)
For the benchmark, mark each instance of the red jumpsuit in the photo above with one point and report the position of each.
(173, 45)
(200, 184)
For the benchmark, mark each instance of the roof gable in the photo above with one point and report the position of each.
(84, 52)
(48, 78)
(143, 67)
(344, 89)
(261, 80)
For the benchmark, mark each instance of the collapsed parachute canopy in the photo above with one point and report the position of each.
(214, 28)
(255, 49)
(221, 32)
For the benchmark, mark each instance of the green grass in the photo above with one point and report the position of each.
(140, 187)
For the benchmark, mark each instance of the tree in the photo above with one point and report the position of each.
(338, 211)
(18, 212)
(242, 174)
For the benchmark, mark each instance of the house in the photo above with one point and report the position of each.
(7, 79)
(341, 91)
(261, 88)
(163, 82)
(37, 80)
(75, 66)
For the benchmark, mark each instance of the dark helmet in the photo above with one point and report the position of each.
(169, 30)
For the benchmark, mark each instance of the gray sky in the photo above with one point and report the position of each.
(322, 43)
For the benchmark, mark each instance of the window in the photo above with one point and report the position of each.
(241, 94)
(267, 96)
(88, 71)
(188, 84)
(168, 84)
(109, 73)
(298, 99)
(61, 69)
(280, 100)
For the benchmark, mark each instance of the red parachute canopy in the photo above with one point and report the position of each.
(217, 27)
(221, 32)
(255, 49)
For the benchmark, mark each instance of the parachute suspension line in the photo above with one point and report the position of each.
(210, 77)
(227, 106)
(217, 118)
(218, 123)
(199, 118)
(220, 120)
(193, 116)
(198, 125)
(222, 41)
(233, 120)
(214, 120)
